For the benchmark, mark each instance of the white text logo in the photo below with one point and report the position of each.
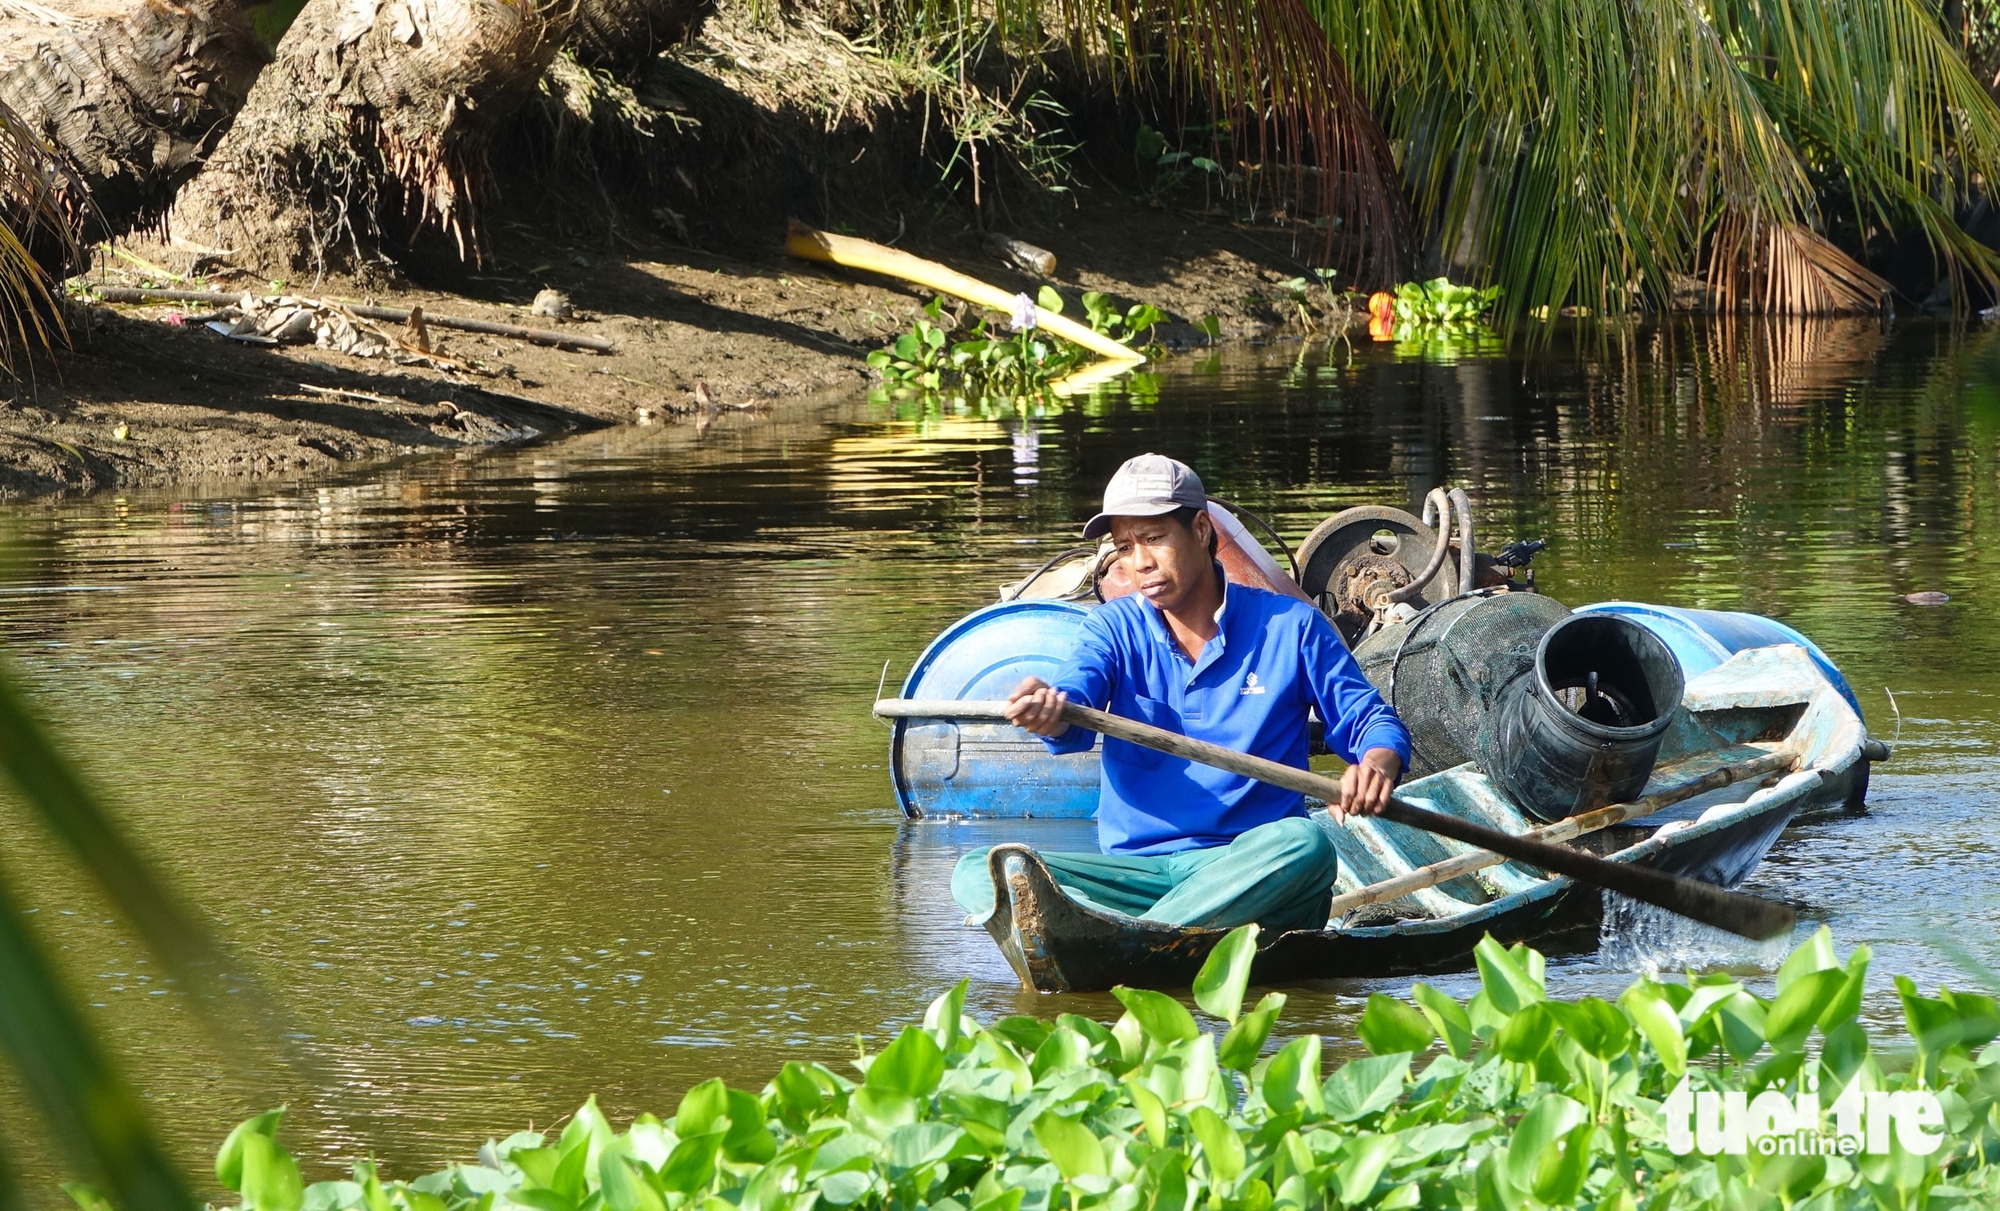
(1775, 1125)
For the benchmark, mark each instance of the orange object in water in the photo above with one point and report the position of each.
(1382, 328)
(1382, 305)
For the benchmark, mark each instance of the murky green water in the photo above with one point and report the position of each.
(529, 774)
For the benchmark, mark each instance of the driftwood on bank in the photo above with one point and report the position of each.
(534, 336)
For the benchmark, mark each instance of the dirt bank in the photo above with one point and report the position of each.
(147, 398)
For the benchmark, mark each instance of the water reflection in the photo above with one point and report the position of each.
(530, 774)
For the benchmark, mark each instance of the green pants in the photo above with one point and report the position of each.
(1279, 875)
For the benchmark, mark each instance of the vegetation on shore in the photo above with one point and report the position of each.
(1509, 1102)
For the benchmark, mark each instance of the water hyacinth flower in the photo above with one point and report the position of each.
(1022, 317)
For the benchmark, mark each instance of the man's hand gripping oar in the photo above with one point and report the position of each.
(1744, 915)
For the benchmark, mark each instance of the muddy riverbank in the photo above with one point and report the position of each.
(148, 396)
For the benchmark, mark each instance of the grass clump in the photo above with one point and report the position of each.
(1507, 1102)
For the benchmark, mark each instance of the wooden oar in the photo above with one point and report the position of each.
(1744, 915)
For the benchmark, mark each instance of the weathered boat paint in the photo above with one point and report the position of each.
(1757, 700)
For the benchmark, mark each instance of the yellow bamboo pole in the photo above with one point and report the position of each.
(811, 244)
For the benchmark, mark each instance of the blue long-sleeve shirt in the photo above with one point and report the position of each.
(1271, 659)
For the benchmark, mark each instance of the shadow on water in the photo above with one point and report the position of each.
(535, 773)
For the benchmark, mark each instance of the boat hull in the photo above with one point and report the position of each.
(1728, 719)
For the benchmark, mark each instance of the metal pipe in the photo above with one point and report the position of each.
(1468, 547)
(1436, 506)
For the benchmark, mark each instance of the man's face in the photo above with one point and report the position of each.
(1164, 558)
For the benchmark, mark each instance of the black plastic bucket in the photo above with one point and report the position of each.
(1584, 730)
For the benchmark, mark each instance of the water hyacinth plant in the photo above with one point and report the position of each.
(1507, 1102)
(1007, 357)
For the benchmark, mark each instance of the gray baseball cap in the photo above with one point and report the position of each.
(1147, 486)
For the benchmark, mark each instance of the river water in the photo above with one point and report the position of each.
(523, 775)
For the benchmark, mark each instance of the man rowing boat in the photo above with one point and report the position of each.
(1183, 843)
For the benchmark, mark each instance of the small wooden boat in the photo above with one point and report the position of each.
(1758, 739)
(1724, 727)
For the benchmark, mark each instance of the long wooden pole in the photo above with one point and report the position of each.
(809, 243)
(1744, 915)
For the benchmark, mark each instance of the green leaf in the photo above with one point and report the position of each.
(1367, 1157)
(1508, 981)
(1933, 1024)
(1847, 1003)
(623, 1188)
(1978, 1016)
(1815, 954)
(1048, 300)
(1240, 1047)
(845, 1186)
(1062, 1051)
(1551, 1118)
(943, 1017)
(1388, 1026)
(1362, 1087)
(1071, 1145)
(748, 1140)
(1526, 1035)
(1656, 1019)
(920, 1144)
(1221, 1147)
(1845, 1049)
(691, 1166)
(912, 1065)
(1560, 1173)
(1741, 1019)
(1292, 1080)
(87, 1197)
(1165, 1020)
(1219, 986)
(1447, 1017)
(1596, 1025)
(271, 1179)
(1800, 1003)
(229, 1158)
(881, 1111)
(701, 1108)
(1152, 1111)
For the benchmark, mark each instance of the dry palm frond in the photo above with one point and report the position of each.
(1786, 269)
(35, 232)
(1267, 68)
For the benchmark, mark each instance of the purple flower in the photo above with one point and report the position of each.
(1022, 319)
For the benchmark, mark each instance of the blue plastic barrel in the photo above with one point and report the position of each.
(1703, 639)
(988, 770)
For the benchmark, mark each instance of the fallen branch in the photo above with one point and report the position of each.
(534, 336)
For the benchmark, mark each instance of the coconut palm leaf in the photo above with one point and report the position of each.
(83, 1103)
(33, 231)
(77, 1091)
(1581, 151)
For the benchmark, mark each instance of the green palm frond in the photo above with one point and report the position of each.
(1580, 151)
(77, 1091)
(34, 232)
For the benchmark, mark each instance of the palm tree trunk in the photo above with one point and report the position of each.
(622, 36)
(371, 127)
(132, 94)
